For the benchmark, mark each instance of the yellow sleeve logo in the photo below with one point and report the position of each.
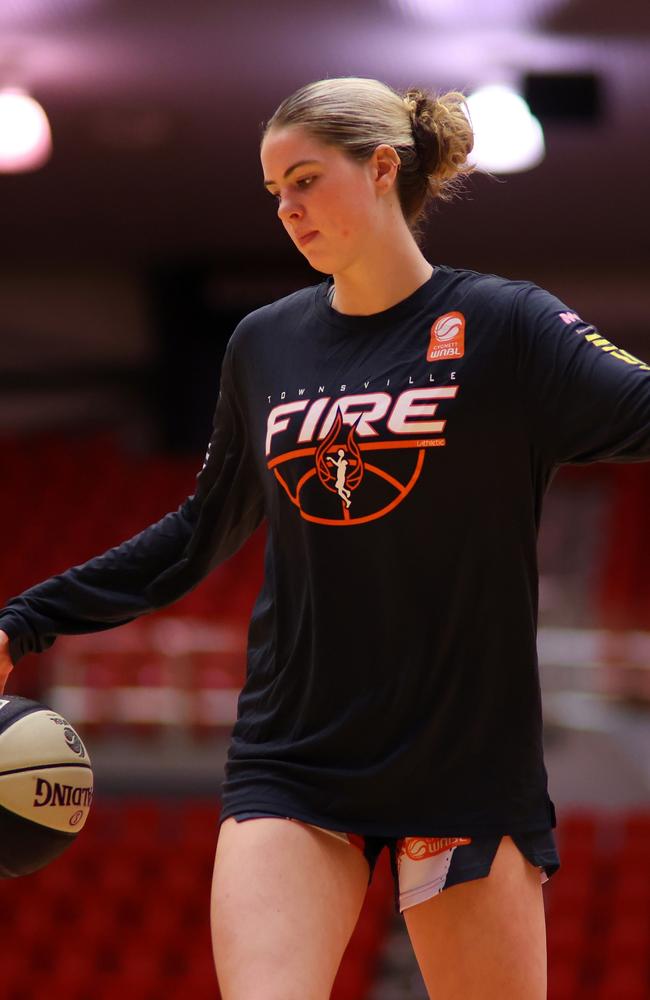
(590, 333)
(616, 352)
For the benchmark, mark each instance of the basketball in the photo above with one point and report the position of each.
(46, 785)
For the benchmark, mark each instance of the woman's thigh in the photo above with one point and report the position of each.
(285, 900)
(484, 939)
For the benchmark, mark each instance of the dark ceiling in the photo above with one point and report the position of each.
(156, 108)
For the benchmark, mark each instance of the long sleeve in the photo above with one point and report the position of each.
(583, 398)
(164, 561)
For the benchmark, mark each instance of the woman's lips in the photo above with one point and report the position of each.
(307, 237)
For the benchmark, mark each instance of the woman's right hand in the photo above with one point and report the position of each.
(6, 666)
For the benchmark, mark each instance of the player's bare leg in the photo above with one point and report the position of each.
(484, 939)
(285, 900)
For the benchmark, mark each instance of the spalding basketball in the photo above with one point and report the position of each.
(46, 785)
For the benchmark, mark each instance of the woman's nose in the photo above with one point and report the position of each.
(288, 208)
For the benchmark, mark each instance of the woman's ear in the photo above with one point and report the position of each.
(386, 164)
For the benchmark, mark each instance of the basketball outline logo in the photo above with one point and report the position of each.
(345, 481)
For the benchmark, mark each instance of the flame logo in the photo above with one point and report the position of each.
(349, 470)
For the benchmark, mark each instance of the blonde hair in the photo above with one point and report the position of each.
(431, 133)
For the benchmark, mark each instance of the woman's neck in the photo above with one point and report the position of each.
(380, 280)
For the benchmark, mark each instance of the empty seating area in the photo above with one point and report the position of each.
(598, 907)
(71, 497)
(125, 912)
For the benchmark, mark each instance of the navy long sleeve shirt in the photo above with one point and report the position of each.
(401, 460)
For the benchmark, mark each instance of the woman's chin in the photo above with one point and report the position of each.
(319, 261)
(322, 268)
(326, 263)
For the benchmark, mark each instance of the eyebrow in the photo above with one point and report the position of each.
(300, 163)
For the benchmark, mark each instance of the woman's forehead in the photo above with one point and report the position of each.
(291, 144)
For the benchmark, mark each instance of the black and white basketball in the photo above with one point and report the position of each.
(46, 785)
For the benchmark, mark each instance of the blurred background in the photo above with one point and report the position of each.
(128, 254)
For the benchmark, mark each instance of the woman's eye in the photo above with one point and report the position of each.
(303, 182)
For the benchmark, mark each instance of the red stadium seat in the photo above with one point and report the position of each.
(74, 972)
(625, 982)
(563, 979)
(628, 937)
(567, 937)
(571, 891)
(630, 892)
(352, 980)
(636, 826)
(144, 814)
(578, 824)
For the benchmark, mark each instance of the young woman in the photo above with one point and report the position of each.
(397, 423)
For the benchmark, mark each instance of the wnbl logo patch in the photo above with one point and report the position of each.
(447, 337)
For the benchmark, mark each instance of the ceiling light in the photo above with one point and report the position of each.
(25, 136)
(479, 13)
(507, 137)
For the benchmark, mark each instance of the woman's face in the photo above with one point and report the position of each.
(321, 190)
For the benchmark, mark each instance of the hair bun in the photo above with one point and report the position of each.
(422, 111)
(442, 132)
